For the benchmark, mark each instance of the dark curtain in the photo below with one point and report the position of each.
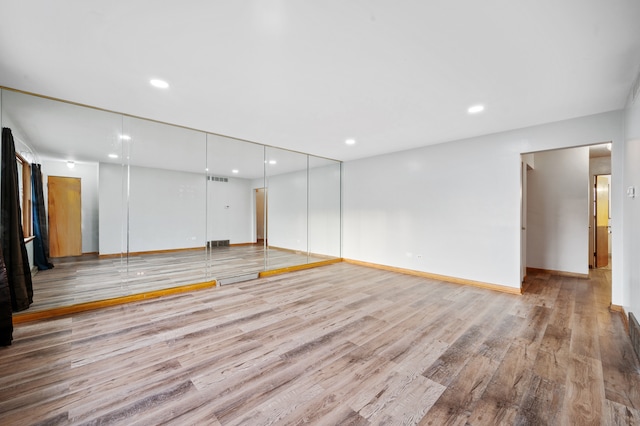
(40, 231)
(13, 247)
(6, 318)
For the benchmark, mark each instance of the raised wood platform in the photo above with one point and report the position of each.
(340, 344)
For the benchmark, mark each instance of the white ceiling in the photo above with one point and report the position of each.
(48, 129)
(305, 75)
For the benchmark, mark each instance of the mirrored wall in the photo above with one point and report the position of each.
(164, 206)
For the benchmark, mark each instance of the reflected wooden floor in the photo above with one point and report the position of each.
(89, 278)
(340, 344)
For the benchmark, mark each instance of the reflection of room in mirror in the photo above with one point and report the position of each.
(78, 280)
(155, 197)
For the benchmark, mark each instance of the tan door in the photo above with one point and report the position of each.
(602, 221)
(65, 230)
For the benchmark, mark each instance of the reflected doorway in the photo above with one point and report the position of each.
(261, 217)
(65, 212)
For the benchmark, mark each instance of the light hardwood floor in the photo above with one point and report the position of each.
(84, 279)
(340, 344)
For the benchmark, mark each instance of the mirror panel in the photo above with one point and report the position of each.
(166, 204)
(286, 201)
(324, 209)
(58, 135)
(235, 170)
(162, 206)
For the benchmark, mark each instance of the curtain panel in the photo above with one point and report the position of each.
(40, 230)
(13, 246)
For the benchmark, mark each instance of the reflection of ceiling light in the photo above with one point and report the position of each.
(350, 141)
(235, 171)
(113, 155)
(272, 161)
(125, 137)
(609, 146)
(71, 164)
(160, 84)
(475, 109)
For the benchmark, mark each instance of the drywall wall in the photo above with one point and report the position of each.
(304, 210)
(168, 210)
(230, 211)
(558, 211)
(112, 207)
(324, 210)
(88, 175)
(629, 294)
(287, 211)
(454, 208)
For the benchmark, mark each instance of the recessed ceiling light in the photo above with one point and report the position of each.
(71, 164)
(475, 109)
(113, 155)
(350, 141)
(125, 137)
(272, 161)
(235, 171)
(160, 84)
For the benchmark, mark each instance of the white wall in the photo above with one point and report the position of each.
(287, 211)
(88, 174)
(29, 247)
(629, 294)
(165, 209)
(454, 208)
(112, 207)
(558, 211)
(168, 210)
(324, 210)
(231, 211)
(298, 199)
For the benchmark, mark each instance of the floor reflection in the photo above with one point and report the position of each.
(90, 278)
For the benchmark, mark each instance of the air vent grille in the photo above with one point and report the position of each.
(217, 243)
(217, 179)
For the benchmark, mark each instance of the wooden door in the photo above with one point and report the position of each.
(65, 230)
(602, 221)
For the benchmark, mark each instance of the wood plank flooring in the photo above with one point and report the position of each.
(89, 278)
(340, 344)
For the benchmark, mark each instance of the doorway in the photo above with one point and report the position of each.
(261, 217)
(601, 221)
(525, 166)
(558, 216)
(65, 215)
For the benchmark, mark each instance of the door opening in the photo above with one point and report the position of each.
(601, 221)
(261, 216)
(65, 215)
